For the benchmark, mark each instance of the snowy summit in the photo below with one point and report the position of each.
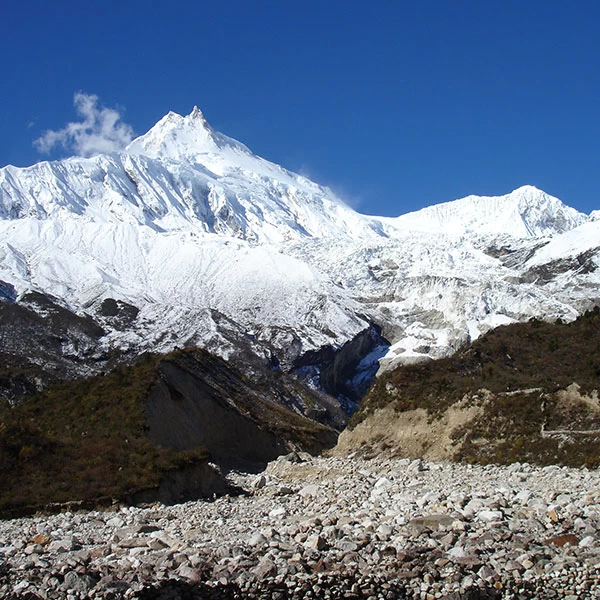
(187, 224)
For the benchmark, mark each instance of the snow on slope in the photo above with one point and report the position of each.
(169, 274)
(572, 243)
(182, 175)
(525, 212)
(436, 291)
(278, 205)
(152, 229)
(187, 221)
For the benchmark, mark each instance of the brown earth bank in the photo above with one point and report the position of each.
(147, 431)
(523, 392)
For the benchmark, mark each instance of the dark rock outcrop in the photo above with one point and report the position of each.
(183, 412)
(201, 480)
(42, 341)
(118, 314)
(345, 373)
(199, 399)
(339, 376)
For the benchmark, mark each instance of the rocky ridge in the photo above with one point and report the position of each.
(336, 527)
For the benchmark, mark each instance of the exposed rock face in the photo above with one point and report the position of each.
(42, 341)
(583, 263)
(184, 412)
(119, 315)
(254, 416)
(412, 433)
(7, 292)
(343, 375)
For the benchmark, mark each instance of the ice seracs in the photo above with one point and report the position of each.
(187, 223)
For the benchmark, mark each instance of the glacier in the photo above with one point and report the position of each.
(214, 245)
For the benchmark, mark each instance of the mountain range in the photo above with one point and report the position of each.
(186, 238)
(185, 301)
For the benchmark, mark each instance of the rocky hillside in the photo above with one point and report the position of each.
(42, 341)
(146, 431)
(522, 392)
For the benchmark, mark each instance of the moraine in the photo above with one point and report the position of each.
(337, 527)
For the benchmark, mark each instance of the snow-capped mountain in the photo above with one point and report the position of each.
(207, 239)
(526, 212)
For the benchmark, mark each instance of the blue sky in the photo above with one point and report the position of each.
(395, 105)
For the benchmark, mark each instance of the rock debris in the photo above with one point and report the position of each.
(325, 528)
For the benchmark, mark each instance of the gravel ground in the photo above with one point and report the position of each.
(338, 527)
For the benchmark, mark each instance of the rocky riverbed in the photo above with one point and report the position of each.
(337, 527)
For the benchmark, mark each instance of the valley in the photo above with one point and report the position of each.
(218, 380)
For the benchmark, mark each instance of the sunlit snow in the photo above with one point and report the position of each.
(187, 221)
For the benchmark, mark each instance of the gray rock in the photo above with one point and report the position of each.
(490, 516)
(587, 542)
(356, 528)
(64, 545)
(316, 542)
(434, 522)
(115, 522)
(309, 491)
(189, 573)
(265, 568)
(416, 466)
(278, 511)
(259, 482)
(133, 542)
(258, 539)
(80, 584)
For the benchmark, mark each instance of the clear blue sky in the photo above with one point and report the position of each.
(395, 105)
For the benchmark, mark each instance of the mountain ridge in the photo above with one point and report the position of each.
(186, 139)
(524, 212)
(210, 229)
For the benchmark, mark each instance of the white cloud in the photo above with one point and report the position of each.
(100, 130)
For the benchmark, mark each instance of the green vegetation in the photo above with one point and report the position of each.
(515, 375)
(89, 439)
(83, 440)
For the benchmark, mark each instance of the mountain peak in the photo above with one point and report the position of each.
(529, 194)
(543, 214)
(525, 212)
(197, 114)
(527, 189)
(183, 137)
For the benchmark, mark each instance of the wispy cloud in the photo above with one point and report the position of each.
(99, 130)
